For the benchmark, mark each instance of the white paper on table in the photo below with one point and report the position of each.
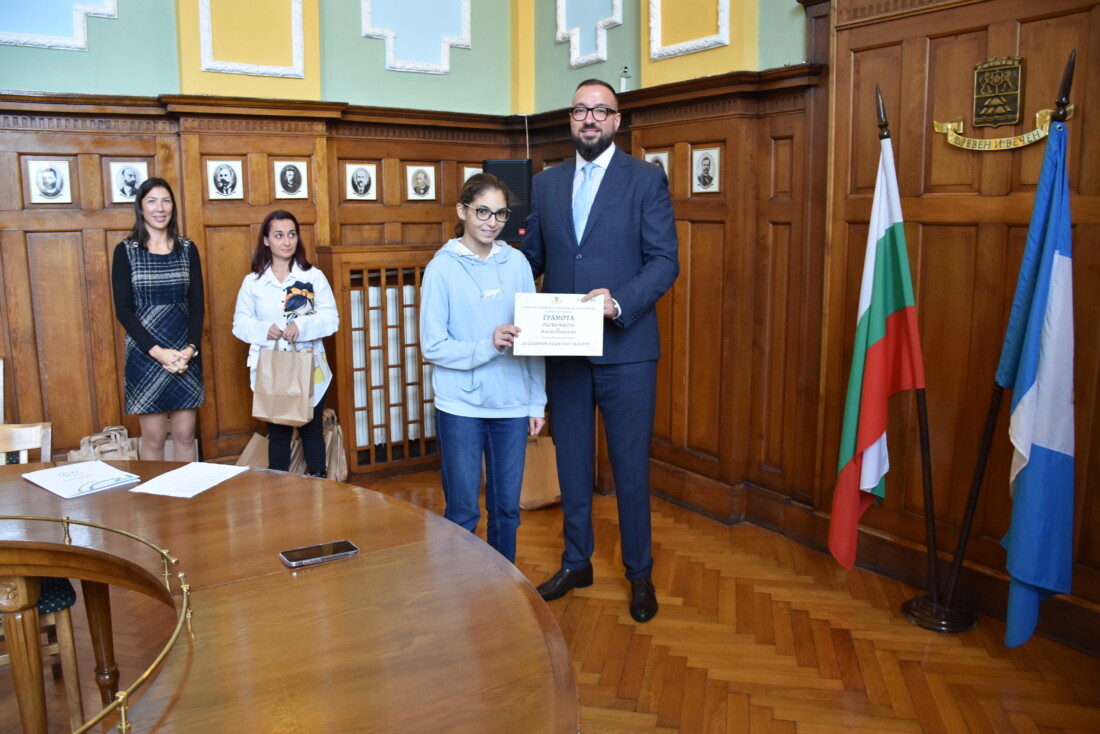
(190, 480)
(73, 480)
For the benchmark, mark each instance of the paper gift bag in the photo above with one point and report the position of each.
(255, 453)
(540, 475)
(335, 457)
(284, 387)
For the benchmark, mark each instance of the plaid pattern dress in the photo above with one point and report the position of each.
(160, 286)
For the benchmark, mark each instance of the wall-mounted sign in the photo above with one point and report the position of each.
(998, 89)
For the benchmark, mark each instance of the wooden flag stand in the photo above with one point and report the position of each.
(926, 610)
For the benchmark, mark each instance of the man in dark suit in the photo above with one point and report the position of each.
(626, 251)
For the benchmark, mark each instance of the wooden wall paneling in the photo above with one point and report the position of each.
(58, 307)
(91, 176)
(99, 316)
(320, 192)
(11, 195)
(1087, 126)
(1086, 273)
(229, 260)
(967, 216)
(951, 170)
(24, 400)
(779, 362)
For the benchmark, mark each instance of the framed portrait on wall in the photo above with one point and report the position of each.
(290, 180)
(49, 182)
(420, 182)
(659, 159)
(126, 177)
(361, 181)
(705, 168)
(468, 171)
(224, 180)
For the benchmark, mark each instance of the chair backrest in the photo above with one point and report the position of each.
(23, 437)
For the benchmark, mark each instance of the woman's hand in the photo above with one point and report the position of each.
(534, 425)
(274, 332)
(504, 335)
(170, 359)
(290, 333)
(187, 354)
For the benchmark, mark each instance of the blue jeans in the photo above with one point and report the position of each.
(503, 442)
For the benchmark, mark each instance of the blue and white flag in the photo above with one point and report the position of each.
(1037, 365)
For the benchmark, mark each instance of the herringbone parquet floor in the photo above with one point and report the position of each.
(755, 634)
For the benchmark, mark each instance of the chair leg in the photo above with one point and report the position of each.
(50, 628)
(67, 648)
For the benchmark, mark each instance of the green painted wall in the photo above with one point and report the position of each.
(782, 34)
(136, 54)
(353, 68)
(132, 54)
(555, 80)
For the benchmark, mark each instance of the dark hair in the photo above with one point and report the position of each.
(261, 257)
(599, 83)
(477, 185)
(139, 233)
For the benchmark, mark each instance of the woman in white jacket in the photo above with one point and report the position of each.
(286, 298)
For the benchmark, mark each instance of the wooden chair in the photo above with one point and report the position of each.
(57, 595)
(24, 437)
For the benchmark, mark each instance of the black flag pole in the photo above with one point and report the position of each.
(1060, 114)
(916, 609)
(925, 611)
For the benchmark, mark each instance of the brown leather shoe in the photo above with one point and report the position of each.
(643, 600)
(563, 581)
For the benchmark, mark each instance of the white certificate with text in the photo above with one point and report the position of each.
(558, 324)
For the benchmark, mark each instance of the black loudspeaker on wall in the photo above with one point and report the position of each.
(517, 174)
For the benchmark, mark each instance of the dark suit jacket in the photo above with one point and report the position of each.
(629, 246)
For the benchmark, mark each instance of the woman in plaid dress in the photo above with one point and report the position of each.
(157, 283)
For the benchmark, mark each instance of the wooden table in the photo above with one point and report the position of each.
(428, 629)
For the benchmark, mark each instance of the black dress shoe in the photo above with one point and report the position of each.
(563, 581)
(643, 600)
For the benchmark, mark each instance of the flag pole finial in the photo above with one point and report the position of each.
(1060, 104)
(880, 109)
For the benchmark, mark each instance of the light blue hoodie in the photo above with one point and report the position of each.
(463, 299)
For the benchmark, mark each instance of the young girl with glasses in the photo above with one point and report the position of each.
(487, 399)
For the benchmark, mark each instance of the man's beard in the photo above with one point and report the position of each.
(591, 151)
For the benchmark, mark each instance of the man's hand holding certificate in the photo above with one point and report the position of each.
(558, 324)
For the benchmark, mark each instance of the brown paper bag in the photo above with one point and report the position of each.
(335, 457)
(540, 475)
(284, 387)
(255, 453)
(297, 455)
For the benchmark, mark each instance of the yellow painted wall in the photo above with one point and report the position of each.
(523, 57)
(685, 20)
(266, 40)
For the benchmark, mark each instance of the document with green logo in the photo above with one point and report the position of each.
(558, 324)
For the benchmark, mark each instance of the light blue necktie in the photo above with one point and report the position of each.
(582, 202)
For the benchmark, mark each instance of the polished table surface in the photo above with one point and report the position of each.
(428, 629)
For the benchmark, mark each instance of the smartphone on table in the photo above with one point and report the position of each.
(311, 554)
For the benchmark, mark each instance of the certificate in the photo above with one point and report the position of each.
(558, 324)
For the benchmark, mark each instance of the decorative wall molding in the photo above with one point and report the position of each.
(297, 70)
(657, 51)
(38, 123)
(573, 34)
(78, 41)
(422, 67)
(858, 12)
(251, 126)
(431, 134)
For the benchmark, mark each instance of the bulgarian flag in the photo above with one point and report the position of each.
(886, 359)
